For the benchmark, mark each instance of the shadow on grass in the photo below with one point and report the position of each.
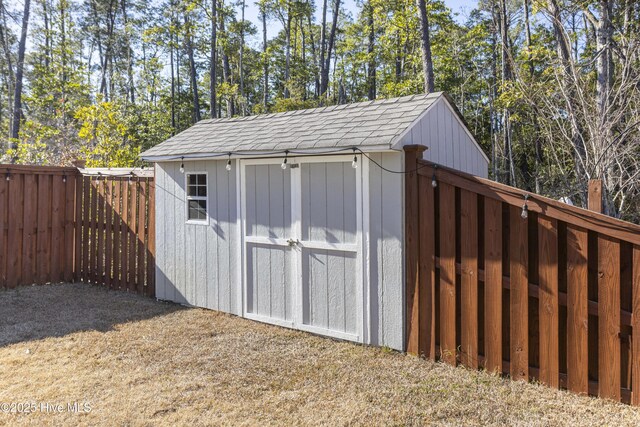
(36, 312)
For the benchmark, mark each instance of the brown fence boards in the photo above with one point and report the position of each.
(37, 210)
(519, 294)
(119, 240)
(493, 285)
(59, 225)
(635, 341)
(577, 310)
(447, 273)
(549, 309)
(150, 249)
(469, 278)
(558, 290)
(608, 318)
(427, 268)
(4, 215)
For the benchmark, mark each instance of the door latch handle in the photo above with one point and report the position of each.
(292, 242)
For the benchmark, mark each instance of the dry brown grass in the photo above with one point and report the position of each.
(140, 362)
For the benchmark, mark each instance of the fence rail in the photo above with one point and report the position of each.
(553, 295)
(57, 224)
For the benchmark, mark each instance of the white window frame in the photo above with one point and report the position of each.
(188, 198)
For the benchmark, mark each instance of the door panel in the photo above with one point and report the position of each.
(329, 202)
(329, 291)
(329, 216)
(268, 201)
(269, 284)
(268, 262)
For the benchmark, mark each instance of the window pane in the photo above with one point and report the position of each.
(191, 179)
(198, 209)
(202, 179)
(202, 191)
(202, 209)
(192, 190)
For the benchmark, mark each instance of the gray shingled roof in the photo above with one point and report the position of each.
(363, 124)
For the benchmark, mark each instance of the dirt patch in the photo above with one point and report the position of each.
(140, 362)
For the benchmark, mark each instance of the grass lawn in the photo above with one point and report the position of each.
(136, 361)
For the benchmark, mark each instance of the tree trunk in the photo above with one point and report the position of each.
(213, 61)
(240, 65)
(323, 48)
(265, 60)
(127, 30)
(287, 53)
(324, 78)
(371, 67)
(47, 33)
(509, 178)
(192, 69)
(314, 58)
(425, 42)
(7, 55)
(17, 94)
(226, 71)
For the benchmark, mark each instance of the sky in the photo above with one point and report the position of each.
(460, 8)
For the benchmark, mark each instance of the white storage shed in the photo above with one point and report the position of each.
(297, 218)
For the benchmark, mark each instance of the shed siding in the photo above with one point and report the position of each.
(196, 264)
(449, 144)
(386, 239)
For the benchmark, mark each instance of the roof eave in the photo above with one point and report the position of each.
(262, 154)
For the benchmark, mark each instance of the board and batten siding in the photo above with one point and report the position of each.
(197, 264)
(449, 144)
(386, 250)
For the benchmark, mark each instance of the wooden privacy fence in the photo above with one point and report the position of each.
(553, 295)
(37, 210)
(115, 233)
(58, 225)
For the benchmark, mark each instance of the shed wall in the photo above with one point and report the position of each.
(386, 242)
(197, 264)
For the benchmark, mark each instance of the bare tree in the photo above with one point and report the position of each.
(425, 43)
(17, 94)
(325, 56)
(213, 60)
(590, 131)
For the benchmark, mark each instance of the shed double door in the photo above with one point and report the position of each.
(302, 245)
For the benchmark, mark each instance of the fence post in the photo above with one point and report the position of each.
(595, 195)
(412, 248)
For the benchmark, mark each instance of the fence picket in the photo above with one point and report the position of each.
(447, 273)
(549, 310)
(143, 193)
(493, 285)
(15, 230)
(133, 216)
(608, 318)
(577, 310)
(519, 294)
(117, 203)
(469, 278)
(57, 215)
(4, 227)
(427, 238)
(635, 324)
(151, 240)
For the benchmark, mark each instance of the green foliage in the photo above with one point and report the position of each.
(106, 136)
